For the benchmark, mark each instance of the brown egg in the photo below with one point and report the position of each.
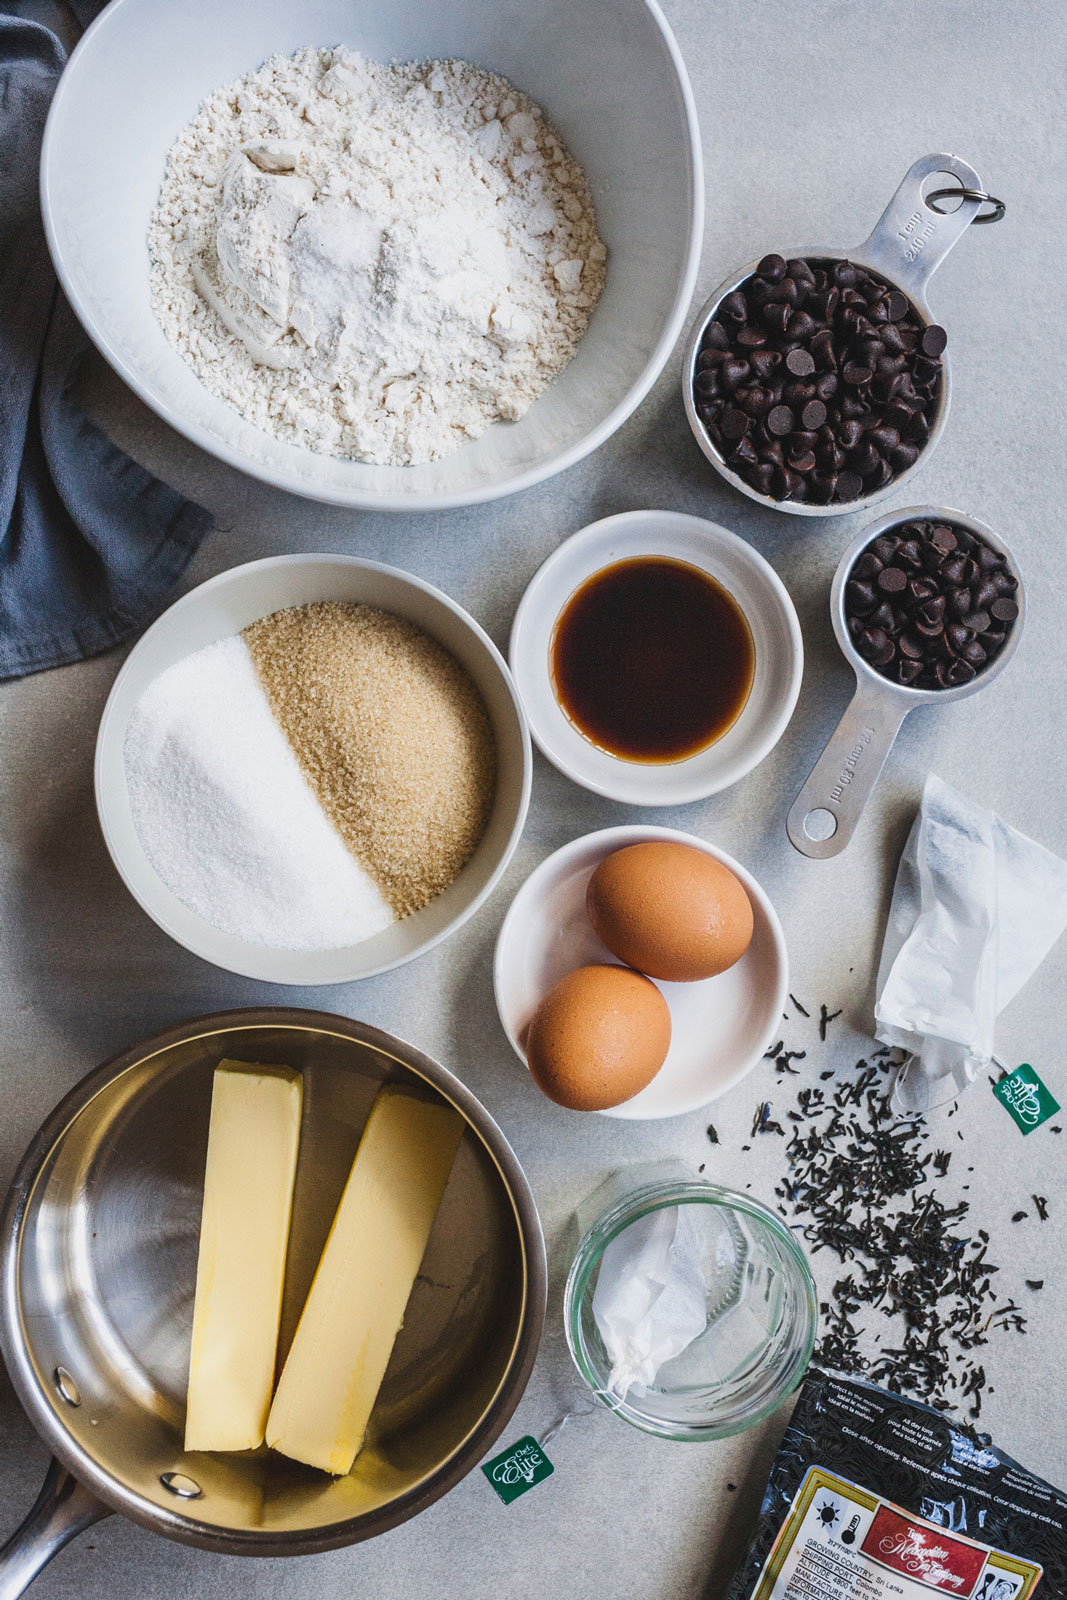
(670, 910)
(598, 1036)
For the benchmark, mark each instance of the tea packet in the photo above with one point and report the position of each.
(873, 1495)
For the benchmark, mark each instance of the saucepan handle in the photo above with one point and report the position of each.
(911, 239)
(824, 815)
(63, 1509)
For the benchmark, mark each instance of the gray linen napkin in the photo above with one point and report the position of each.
(90, 543)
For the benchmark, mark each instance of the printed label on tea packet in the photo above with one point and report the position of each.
(518, 1468)
(839, 1542)
(1026, 1097)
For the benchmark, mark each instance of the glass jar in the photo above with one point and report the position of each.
(761, 1307)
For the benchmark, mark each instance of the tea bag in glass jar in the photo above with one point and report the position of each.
(651, 1297)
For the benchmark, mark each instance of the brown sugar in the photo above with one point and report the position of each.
(392, 735)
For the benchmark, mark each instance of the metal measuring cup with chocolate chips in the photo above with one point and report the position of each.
(927, 606)
(815, 381)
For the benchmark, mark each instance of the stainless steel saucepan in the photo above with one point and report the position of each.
(98, 1260)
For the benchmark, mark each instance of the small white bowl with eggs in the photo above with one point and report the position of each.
(720, 1027)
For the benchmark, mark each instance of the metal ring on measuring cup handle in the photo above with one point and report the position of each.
(906, 246)
(998, 211)
(911, 239)
(824, 816)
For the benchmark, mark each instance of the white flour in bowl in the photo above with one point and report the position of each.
(374, 262)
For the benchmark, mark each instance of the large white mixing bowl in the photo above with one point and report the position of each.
(608, 74)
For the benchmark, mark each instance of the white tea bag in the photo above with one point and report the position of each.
(976, 908)
(651, 1297)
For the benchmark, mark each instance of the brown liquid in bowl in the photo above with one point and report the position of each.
(652, 659)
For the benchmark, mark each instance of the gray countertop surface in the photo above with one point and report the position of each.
(811, 111)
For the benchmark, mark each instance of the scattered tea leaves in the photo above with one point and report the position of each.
(859, 1184)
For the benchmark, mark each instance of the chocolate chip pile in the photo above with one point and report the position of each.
(818, 381)
(929, 605)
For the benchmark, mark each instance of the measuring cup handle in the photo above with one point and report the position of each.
(824, 815)
(63, 1509)
(911, 239)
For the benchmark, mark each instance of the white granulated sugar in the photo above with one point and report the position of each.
(227, 818)
(374, 262)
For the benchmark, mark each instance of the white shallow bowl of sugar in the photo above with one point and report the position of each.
(607, 72)
(720, 1027)
(223, 606)
(743, 573)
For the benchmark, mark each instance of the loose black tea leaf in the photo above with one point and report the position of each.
(824, 1018)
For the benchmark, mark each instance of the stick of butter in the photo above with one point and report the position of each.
(252, 1147)
(357, 1300)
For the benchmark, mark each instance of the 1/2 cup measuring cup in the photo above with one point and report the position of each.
(825, 813)
(909, 242)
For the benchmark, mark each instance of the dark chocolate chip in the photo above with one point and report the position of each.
(860, 596)
(763, 362)
(800, 363)
(933, 341)
(734, 307)
(735, 424)
(772, 268)
(780, 421)
(867, 566)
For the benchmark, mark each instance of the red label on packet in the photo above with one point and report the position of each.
(929, 1554)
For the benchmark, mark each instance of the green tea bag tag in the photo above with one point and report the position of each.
(521, 1466)
(1026, 1098)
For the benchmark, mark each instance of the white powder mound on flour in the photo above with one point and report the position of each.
(374, 262)
(227, 818)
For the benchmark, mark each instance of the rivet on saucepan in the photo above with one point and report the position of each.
(66, 1386)
(185, 1488)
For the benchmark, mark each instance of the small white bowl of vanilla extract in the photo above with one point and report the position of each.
(658, 657)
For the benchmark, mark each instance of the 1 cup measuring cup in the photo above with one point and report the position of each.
(910, 240)
(828, 808)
